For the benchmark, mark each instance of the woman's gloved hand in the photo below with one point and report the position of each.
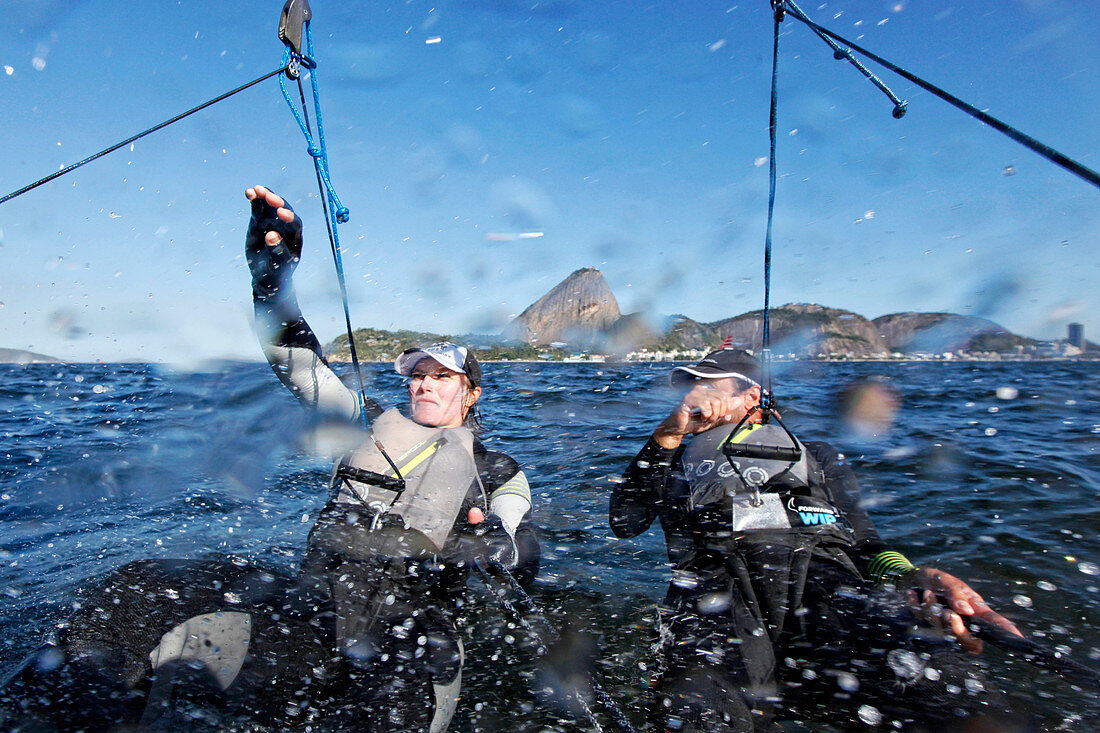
(273, 244)
(488, 543)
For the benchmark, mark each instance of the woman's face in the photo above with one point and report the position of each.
(438, 396)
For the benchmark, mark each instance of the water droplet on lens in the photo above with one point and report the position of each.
(906, 664)
(869, 715)
(713, 603)
(49, 660)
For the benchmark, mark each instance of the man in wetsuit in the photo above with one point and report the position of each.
(784, 596)
(414, 504)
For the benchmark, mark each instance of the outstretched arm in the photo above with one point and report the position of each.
(939, 598)
(273, 247)
(636, 500)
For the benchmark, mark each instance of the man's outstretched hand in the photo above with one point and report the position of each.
(944, 601)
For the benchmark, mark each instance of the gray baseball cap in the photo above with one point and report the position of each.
(456, 358)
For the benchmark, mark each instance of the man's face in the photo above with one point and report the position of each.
(438, 396)
(738, 400)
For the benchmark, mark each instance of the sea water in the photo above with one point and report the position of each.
(988, 470)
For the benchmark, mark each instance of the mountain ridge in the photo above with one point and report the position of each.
(581, 314)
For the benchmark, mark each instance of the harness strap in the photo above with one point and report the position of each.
(344, 472)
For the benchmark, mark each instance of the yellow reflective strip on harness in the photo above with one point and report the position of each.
(420, 457)
(745, 432)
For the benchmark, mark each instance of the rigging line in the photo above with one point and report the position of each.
(129, 140)
(1035, 653)
(320, 161)
(839, 53)
(1026, 140)
(765, 343)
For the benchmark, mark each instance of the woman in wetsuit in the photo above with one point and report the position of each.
(414, 505)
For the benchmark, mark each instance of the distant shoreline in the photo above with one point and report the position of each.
(1044, 360)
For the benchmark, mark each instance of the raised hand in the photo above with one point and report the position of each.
(273, 244)
(704, 407)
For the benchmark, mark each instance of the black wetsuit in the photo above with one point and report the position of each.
(761, 625)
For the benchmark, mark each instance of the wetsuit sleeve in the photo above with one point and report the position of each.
(636, 501)
(288, 342)
(507, 488)
(871, 554)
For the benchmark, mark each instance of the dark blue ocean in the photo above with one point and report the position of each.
(988, 470)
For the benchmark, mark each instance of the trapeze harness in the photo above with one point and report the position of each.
(399, 494)
(763, 518)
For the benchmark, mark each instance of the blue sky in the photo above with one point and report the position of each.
(630, 134)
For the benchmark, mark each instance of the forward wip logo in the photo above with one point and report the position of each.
(811, 515)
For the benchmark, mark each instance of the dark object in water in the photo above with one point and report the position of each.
(236, 638)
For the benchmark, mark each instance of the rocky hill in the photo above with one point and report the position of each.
(582, 312)
(939, 332)
(805, 329)
(581, 309)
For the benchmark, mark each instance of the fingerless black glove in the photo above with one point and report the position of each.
(271, 267)
(527, 565)
(489, 544)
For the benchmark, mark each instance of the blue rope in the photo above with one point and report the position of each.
(335, 212)
(319, 153)
(342, 213)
